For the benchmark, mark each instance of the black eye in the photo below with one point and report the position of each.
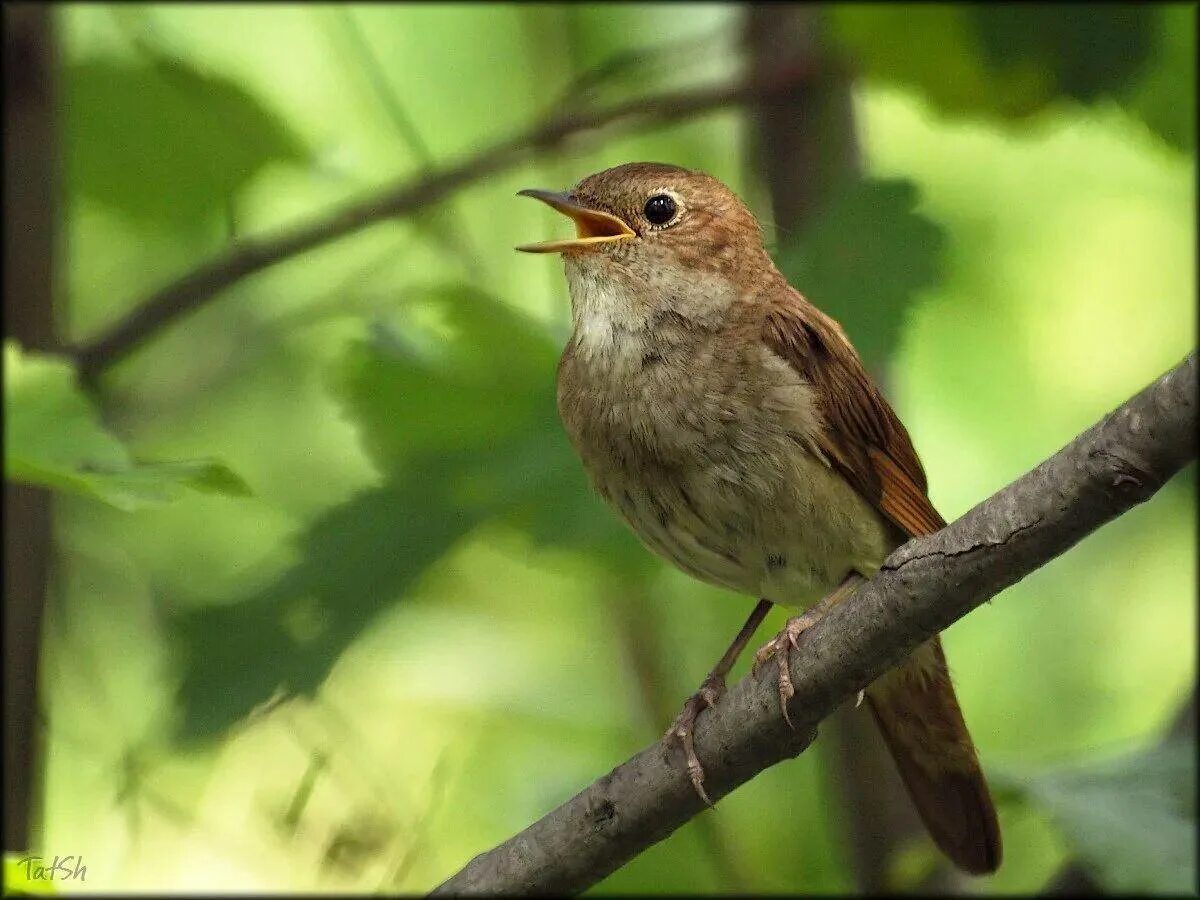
(660, 209)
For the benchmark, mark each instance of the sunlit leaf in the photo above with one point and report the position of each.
(54, 439)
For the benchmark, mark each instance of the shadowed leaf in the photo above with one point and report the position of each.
(165, 143)
(1130, 821)
(457, 410)
(863, 260)
(1013, 61)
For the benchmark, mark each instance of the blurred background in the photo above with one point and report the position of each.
(318, 594)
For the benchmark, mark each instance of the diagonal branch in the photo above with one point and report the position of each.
(922, 588)
(249, 256)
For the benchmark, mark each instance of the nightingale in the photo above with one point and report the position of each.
(734, 428)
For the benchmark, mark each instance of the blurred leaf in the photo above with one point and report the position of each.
(463, 370)
(1165, 98)
(863, 259)
(488, 387)
(165, 143)
(355, 559)
(465, 430)
(1088, 51)
(999, 59)
(54, 438)
(1130, 821)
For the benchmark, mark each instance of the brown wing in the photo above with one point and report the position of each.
(863, 439)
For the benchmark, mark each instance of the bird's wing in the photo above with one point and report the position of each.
(914, 703)
(862, 438)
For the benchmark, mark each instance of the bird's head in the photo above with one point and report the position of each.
(659, 232)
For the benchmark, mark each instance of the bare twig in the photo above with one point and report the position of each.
(922, 588)
(249, 256)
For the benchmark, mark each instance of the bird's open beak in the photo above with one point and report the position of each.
(591, 225)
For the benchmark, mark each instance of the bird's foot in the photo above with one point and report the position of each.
(781, 647)
(682, 728)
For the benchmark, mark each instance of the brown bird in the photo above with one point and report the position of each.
(732, 425)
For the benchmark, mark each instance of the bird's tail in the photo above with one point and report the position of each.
(923, 727)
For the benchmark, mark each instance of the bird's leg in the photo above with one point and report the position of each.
(783, 643)
(710, 691)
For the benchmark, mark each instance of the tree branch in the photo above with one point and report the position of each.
(922, 588)
(249, 256)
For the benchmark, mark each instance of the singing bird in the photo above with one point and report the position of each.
(733, 427)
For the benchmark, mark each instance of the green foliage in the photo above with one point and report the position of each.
(54, 439)
(1013, 61)
(1165, 98)
(354, 559)
(464, 430)
(1130, 821)
(1085, 51)
(463, 371)
(165, 143)
(864, 259)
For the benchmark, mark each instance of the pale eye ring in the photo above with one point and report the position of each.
(662, 209)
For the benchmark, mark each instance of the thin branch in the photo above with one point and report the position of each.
(922, 588)
(249, 256)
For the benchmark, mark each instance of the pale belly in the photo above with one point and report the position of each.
(778, 524)
(702, 442)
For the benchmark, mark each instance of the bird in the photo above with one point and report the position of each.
(734, 428)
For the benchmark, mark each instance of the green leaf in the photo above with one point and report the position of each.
(864, 258)
(999, 59)
(54, 439)
(457, 409)
(164, 142)
(1087, 51)
(355, 559)
(461, 370)
(480, 384)
(1130, 821)
(1165, 97)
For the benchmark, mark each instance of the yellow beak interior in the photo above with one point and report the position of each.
(591, 225)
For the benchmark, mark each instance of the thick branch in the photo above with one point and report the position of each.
(247, 257)
(922, 588)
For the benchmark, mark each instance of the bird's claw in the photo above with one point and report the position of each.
(683, 727)
(780, 647)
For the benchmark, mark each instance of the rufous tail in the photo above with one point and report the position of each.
(918, 713)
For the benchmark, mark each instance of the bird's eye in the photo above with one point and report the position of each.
(660, 209)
